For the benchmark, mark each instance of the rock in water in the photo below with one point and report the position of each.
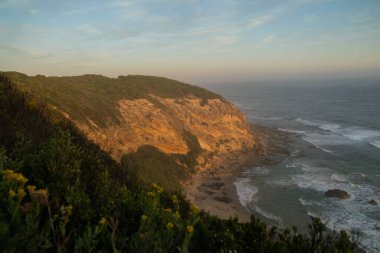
(336, 193)
(373, 202)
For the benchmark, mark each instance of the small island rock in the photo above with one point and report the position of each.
(373, 202)
(336, 193)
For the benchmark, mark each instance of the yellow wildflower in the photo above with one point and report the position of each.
(21, 178)
(174, 199)
(10, 175)
(157, 188)
(177, 215)
(103, 221)
(190, 229)
(66, 210)
(151, 194)
(166, 210)
(143, 217)
(21, 193)
(30, 188)
(43, 192)
(169, 225)
(11, 193)
(194, 209)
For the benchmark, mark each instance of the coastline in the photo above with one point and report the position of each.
(213, 189)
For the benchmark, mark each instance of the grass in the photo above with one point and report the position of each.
(95, 97)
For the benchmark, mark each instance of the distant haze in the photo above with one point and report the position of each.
(193, 41)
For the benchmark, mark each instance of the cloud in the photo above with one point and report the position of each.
(88, 29)
(309, 18)
(269, 39)
(256, 22)
(13, 3)
(24, 51)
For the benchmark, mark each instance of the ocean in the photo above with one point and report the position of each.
(334, 143)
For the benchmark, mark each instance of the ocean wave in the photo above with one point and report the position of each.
(375, 143)
(293, 131)
(320, 140)
(351, 214)
(267, 215)
(305, 202)
(309, 122)
(281, 182)
(359, 133)
(339, 177)
(337, 217)
(273, 118)
(320, 124)
(353, 133)
(329, 126)
(259, 171)
(322, 179)
(245, 190)
(362, 175)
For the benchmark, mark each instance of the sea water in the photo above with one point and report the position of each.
(334, 143)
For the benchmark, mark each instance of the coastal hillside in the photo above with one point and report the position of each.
(60, 192)
(140, 114)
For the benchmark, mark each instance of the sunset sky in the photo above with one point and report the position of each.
(193, 41)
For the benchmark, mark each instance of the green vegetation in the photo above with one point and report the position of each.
(61, 193)
(151, 165)
(95, 97)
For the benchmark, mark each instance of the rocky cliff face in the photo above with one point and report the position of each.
(221, 129)
(125, 113)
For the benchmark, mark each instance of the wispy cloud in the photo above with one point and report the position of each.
(269, 39)
(13, 3)
(24, 51)
(309, 18)
(256, 22)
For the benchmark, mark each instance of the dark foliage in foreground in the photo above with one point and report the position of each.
(61, 193)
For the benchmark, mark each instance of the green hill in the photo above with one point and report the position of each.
(79, 95)
(60, 192)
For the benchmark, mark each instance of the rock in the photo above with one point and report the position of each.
(336, 193)
(373, 202)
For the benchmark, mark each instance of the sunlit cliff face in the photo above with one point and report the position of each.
(218, 126)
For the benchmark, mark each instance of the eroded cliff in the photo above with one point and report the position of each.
(220, 128)
(124, 114)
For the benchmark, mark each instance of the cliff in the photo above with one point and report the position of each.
(123, 114)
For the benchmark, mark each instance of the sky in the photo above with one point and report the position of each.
(205, 41)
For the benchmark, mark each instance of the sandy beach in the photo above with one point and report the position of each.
(213, 190)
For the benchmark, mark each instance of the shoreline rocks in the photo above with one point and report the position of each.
(337, 193)
(373, 202)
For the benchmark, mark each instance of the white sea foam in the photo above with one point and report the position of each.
(293, 131)
(362, 175)
(245, 190)
(353, 213)
(267, 215)
(309, 122)
(259, 171)
(339, 177)
(281, 182)
(324, 140)
(321, 124)
(329, 126)
(305, 202)
(375, 143)
(264, 117)
(359, 133)
(353, 133)
(339, 217)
